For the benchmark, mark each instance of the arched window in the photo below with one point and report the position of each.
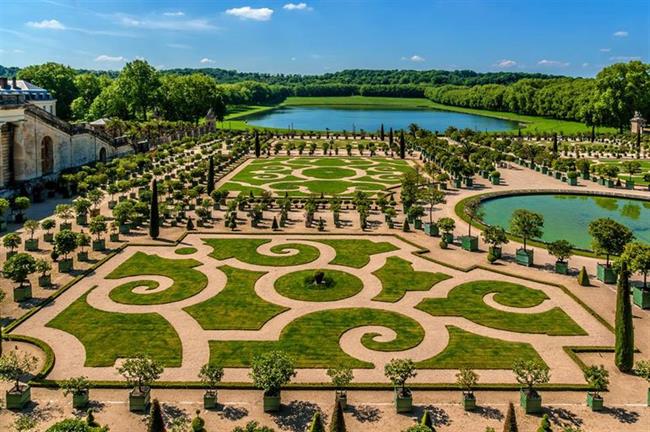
(47, 156)
(102, 154)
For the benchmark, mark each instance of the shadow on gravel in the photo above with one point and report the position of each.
(365, 413)
(296, 416)
(233, 413)
(439, 416)
(489, 412)
(563, 417)
(622, 415)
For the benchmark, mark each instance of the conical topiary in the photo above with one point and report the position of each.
(90, 418)
(623, 326)
(583, 277)
(198, 423)
(274, 225)
(426, 420)
(510, 424)
(338, 422)
(156, 422)
(190, 224)
(405, 226)
(545, 425)
(316, 423)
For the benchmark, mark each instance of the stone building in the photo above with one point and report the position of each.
(35, 144)
(638, 124)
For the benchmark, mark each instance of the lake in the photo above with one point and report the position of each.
(370, 119)
(567, 216)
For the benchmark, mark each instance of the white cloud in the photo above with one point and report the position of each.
(178, 45)
(107, 58)
(505, 63)
(206, 60)
(166, 24)
(552, 63)
(18, 51)
(414, 58)
(585, 65)
(293, 59)
(621, 33)
(297, 6)
(605, 50)
(624, 58)
(47, 24)
(249, 13)
(172, 14)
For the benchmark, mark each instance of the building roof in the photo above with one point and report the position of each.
(25, 88)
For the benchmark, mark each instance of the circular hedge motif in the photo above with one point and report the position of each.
(328, 173)
(318, 286)
(185, 251)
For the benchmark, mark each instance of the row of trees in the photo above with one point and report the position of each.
(608, 100)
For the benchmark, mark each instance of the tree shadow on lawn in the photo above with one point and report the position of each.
(296, 416)
(365, 413)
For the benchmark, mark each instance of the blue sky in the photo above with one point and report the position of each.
(564, 37)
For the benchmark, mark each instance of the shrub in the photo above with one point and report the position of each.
(156, 422)
(597, 377)
(398, 371)
(510, 424)
(583, 277)
(271, 370)
(198, 424)
(337, 423)
(316, 424)
(19, 267)
(545, 425)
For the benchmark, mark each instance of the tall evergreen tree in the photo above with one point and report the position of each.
(156, 422)
(510, 424)
(381, 132)
(257, 145)
(390, 137)
(545, 425)
(402, 145)
(316, 424)
(210, 187)
(624, 348)
(154, 219)
(426, 420)
(555, 143)
(338, 422)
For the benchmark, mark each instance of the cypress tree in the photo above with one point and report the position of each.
(545, 425)
(338, 422)
(210, 187)
(510, 424)
(156, 422)
(583, 277)
(638, 142)
(257, 145)
(274, 225)
(624, 329)
(402, 145)
(381, 132)
(426, 420)
(390, 137)
(154, 219)
(316, 423)
(405, 226)
(555, 143)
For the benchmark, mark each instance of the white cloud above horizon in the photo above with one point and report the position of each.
(174, 14)
(415, 58)
(51, 24)
(505, 63)
(552, 63)
(165, 24)
(178, 45)
(605, 50)
(297, 6)
(624, 58)
(249, 13)
(621, 33)
(111, 59)
(206, 60)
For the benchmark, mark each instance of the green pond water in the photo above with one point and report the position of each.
(567, 216)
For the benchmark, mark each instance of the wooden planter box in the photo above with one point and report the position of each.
(80, 400)
(65, 265)
(495, 180)
(524, 257)
(448, 238)
(342, 398)
(272, 402)
(31, 245)
(496, 251)
(558, 175)
(572, 181)
(44, 281)
(82, 256)
(210, 399)
(139, 401)
(403, 403)
(48, 237)
(469, 243)
(595, 402)
(629, 184)
(82, 220)
(65, 226)
(99, 245)
(531, 403)
(469, 182)
(469, 402)
(606, 274)
(22, 293)
(562, 267)
(544, 170)
(641, 297)
(114, 237)
(457, 183)
(125, 229)
(17, 398)
(418, 224)
(431, 229)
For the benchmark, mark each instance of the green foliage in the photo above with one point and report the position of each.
(75, 425)
(609, 237)
(19, 267)
(198, 424)
(398, 371)
(154, 217)
(271, 370)
(58, 79)
(637, 256)
(14, 366)
(545, 425)
(623, 325)
(98, 226)
(495, 235)
(337, 423)
(75, 385)
(642, 369)
(65, 242)
(356, 253)
(341, 376)
(583, 277)
(418, 428)
(156, 422)
(531, 373)
(560, 249)
(316, 424)
(252, 426)
(397, 270)
(211, 375)
(597, 377)
(11, 241)
(466, 380)
(426, 420)
(526, 224)
(446, 225)
(140, 371)
(510, 424)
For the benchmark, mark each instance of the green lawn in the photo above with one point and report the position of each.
(474, 351)
(245, 250)
(397, 277)
(185, 251)
(107, 336)
(237, 306)
(300, 286)
(187, 281)
(466, 300)
(356, 253)
(312, 341)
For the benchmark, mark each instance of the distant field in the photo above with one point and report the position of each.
(538, 124)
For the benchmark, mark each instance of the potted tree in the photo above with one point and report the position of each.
(21, 204)
(140, 372)
(562, 251)
(122, 213)
(526, 224)
(572, 178)
(13, 367)
(81, 208)
(30, 226)
(473, 211)
(398, 371)
(608, 237)
(495, 177)
(48, 225)
(270, 371)
(64, 211)
(447, 225)
(414, 215)
(95, 197)
(79, 388)
(114, 234)
(98, 228)
(433, 197)
(495, 236)
(4, 206)
(530, 373)
(83, 241)
(341, 377)
(598, 379)
(11, 242)
(467, 380)
(65, 242)
(637, 256)
(18, 268)
(44, 267)
(210, 375)
(642, 369)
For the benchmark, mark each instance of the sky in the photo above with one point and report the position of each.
(566, 37)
